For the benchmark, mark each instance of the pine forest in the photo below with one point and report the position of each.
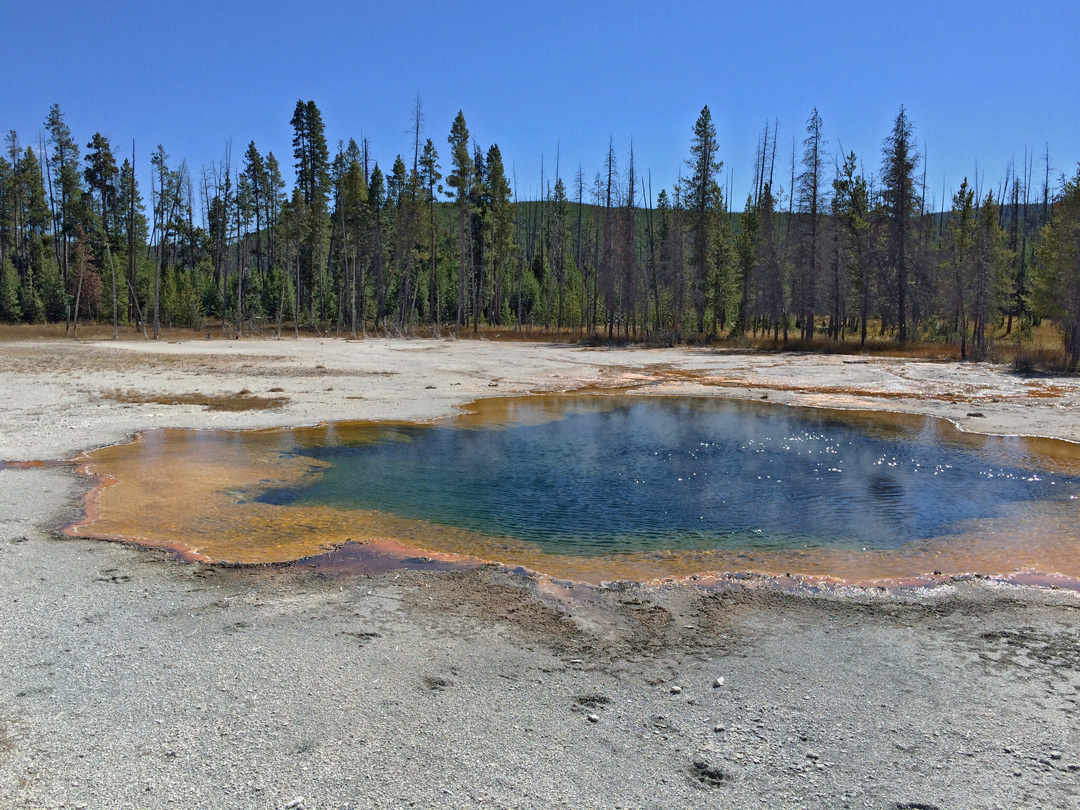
(827, 249)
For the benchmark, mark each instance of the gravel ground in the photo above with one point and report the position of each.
(129, 679)
(60, 398)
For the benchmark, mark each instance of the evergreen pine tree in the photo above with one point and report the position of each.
(702, 204)
(10, 311)
(811, 209)
(899, 159)
(101, 174)
(1057, 277)
(461, 181)
(64, 163)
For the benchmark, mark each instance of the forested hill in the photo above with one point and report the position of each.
(439, 236)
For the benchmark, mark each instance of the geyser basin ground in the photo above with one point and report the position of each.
(118, 672)
(594, 487)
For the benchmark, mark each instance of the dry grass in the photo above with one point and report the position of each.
(1028, 360)
(1040, 350)
(97, 331)
(875, 347)
(241, 401)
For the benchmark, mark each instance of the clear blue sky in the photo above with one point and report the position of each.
(981, 80)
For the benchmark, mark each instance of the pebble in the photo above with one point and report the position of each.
(676, 689)
(718, 682)
(594, 718)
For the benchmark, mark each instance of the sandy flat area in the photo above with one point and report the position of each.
(129, 679)
(61, 398)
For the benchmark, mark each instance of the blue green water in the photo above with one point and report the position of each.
(637, 474)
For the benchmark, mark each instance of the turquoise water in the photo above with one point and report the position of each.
(633, 474)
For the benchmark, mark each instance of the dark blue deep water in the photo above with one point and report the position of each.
(656, 473)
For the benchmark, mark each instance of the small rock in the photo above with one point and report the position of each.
(718, 682)
(977, 415)
(718, 729)
(1055, 755)
(676, 689)
(295, 804)
(710, 771)
(594, 718)
(812, 755)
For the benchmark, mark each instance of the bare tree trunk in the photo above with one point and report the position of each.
(78, 295)
(112, 267)
(239, 266)
(133, 299)
(112, 270)
(157, 289)
(433, 280)
(296, 306)
(47, 175)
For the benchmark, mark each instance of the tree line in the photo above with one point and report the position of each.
(821, 249)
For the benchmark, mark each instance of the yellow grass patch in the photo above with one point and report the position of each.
(242, 401)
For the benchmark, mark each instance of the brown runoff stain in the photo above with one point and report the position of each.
(241, 401)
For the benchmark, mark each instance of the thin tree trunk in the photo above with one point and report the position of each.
(52, 204)
(78, 297)
(239, 266)
(296, 307)
(112, 271)
(133, 300)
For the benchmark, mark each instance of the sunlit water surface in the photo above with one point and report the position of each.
(655, 473)
(664, 483)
